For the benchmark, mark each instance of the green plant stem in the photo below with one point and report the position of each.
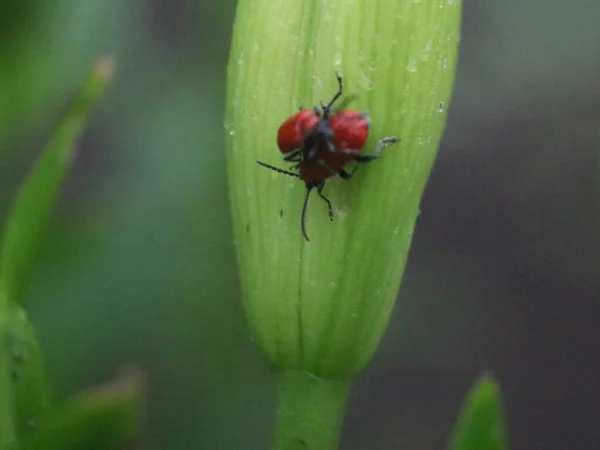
(310, 412)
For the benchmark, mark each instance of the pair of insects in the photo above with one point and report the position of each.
(321, 142)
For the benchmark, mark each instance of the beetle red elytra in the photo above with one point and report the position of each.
(321, 142)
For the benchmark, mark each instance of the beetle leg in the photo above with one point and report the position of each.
(345, 175)
(329, 207)
(375, 153)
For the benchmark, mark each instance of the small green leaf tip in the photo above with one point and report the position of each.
(26, 222)
(321, 307)
(480, 424)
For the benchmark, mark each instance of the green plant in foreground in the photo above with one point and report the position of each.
(318, 309)
(98, 419)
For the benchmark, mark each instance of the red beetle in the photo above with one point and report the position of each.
(292, 132)
(322, 143)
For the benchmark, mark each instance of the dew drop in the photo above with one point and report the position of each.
(230, 129)
(441, 107)
(426, 51)
(341, 214)
(412, 66)
(332, 284)
(366, 82)
(337, 59)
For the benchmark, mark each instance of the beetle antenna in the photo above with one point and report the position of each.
(349, 99)
(277, 169)
(303, 217)
(337, 94)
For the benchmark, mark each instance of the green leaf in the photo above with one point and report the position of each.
(104, 418)
(481, 422)
(25, 225)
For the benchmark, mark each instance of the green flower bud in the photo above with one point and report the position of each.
(322, 306)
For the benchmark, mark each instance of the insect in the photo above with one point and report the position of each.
(321, 142)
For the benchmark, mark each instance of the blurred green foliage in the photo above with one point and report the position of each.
(137, 264)
(26, 415)
(105, 417)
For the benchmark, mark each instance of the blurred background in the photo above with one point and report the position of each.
(138, 263)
